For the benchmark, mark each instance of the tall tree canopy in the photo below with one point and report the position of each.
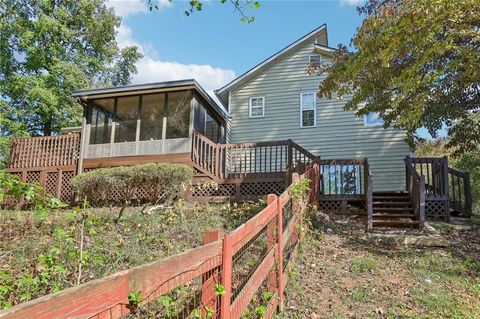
(417, 63)
(48, 48)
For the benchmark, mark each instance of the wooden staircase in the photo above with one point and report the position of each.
(393, 210)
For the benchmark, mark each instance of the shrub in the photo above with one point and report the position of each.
(31, 193)
(162, 182)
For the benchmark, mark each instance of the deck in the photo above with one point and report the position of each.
(251, 170)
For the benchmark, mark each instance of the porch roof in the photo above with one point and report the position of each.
(88, 94)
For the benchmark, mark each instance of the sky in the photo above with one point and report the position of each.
(213, 46)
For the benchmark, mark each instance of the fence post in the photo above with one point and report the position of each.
(272, 277)
(226, 277)
(280, 252)
(421, 202)
(209, 280)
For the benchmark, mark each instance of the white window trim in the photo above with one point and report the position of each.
(314, 110)
(250, 106)
(319, 55)
(366, 124)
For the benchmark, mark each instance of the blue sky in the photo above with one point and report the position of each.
(213, 46)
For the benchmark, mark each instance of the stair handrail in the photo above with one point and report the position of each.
(314, 158)
(415, 184)
(368, 187)
(467, 190)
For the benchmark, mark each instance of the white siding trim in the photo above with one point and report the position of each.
(250, 106)
(314, 109)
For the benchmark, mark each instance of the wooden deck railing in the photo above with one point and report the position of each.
(459, 191)
(416, 189)
(269, 239)
(435, 171)
(247, 160)
(443, 183)
(344, 177)
(46, 151)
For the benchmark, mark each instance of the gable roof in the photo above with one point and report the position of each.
(222, 93)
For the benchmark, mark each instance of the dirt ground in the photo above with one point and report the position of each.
(341, 273)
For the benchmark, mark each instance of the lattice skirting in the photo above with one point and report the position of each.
(331, 206)
(436, 209)
(238, 191)
(55, 183)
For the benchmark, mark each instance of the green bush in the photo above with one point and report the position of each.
(162, 182)
(32, 194)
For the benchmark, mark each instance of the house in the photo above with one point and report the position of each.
(277, 100)
(271, 123)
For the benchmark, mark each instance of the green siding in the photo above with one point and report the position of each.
(338, 134)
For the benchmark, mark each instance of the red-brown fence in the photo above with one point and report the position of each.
(250, 264)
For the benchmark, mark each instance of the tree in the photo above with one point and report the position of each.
(240, 6)
(416, 62)
(47, 50)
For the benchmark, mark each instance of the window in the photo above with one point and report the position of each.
(373, 119)
(317, 59)
(211, 128)
(151, 118)
(308, 110)
(101, 121)
(178, 110)
(256, 107)
(126, 115)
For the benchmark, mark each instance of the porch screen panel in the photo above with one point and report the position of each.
(178, 110)
(211, 128)
(199, 118)
(151, 118)
(126, 119)
(101, 121)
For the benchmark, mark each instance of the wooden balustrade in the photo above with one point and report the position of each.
(459, 191)
(435, 171)
(416, 189)
(46, 151)
(248, 160)
(344, 177)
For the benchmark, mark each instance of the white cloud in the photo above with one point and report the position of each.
(351, 2)
(126, 8)
(209, 77)
(152, 69)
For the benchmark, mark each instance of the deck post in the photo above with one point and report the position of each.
(468, 193)
(445, 175)
(210, 279)
(421, 212)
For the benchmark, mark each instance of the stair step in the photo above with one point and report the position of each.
(403, 203)
(387, 215)
(378, 197)
(390, 193)
(396, 209)
(395, 223)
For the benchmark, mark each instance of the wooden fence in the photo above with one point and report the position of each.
(416, 189)
(250, 264)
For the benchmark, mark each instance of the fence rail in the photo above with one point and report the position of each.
(270, 239)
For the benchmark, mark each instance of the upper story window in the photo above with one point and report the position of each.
(373, 119)
(256, 107)
(315, 58)
(308, 109)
